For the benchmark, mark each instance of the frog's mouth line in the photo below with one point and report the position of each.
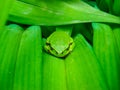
(63, 54)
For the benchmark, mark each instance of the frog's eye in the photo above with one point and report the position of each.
(56, 52)
(69, 46)
(48, 51)
(70, 43)
(47, 43)
(51, 48)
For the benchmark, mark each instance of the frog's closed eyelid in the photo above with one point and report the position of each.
(51, 47)
(69, 46)
(56, 52)
(71, 43)
(48, 51)
(53, 50)
(47, 43)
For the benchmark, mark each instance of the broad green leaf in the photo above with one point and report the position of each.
(116, 32)
(58, 12)
(106, 50)
(9, 44)
(5, 6)
(28, 70)
(116, 7)
(83, 70)
(54, 74)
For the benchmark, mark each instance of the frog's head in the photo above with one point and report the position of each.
(59, 44)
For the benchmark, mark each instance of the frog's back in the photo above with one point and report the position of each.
(60, 41)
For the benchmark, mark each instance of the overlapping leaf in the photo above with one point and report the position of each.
(106, 50)
(83, 69)
(28, 70)
(58, 12)
(5, 5)
(9, 44)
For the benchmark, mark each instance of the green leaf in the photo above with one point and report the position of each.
(58, 12)
(5, 6)
(54, 75)
(9, 44)
(106, 51)
(116, 7)
(83, 69)
(116, 32)
(28, 70)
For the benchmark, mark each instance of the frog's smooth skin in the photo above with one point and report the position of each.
(59, 44)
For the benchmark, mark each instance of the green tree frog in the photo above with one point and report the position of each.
(60, 43)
